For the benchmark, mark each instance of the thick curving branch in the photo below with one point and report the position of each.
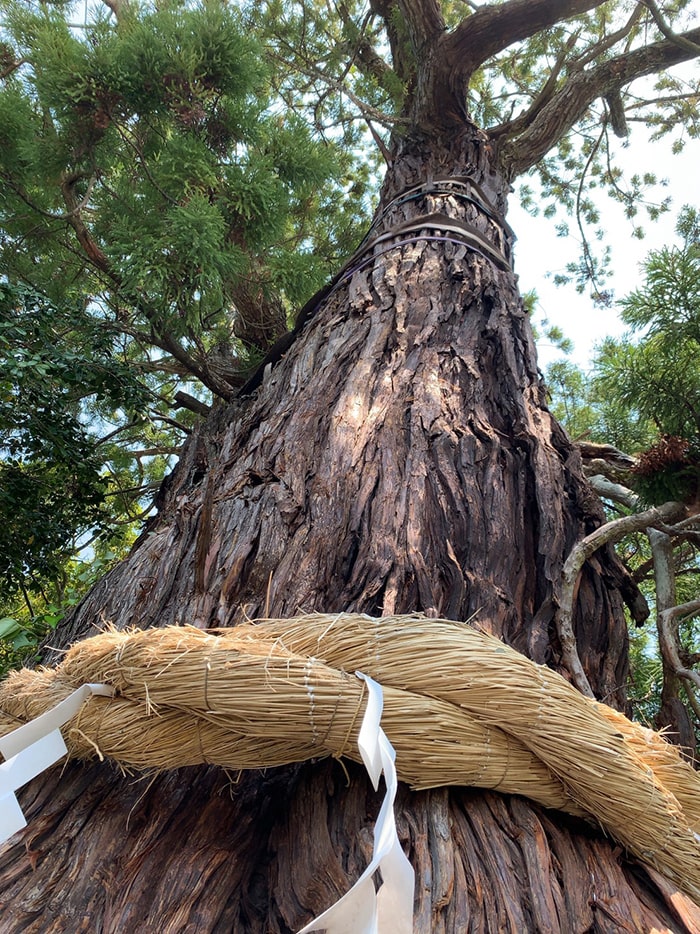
(665, 29)
(668, 639)
(493, 28)
(566, 107)
(608, 533)
(608, 489)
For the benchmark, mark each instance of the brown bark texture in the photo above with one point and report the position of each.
(399, 457)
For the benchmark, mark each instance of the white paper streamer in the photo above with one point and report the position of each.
(363, 910)
(32, 748)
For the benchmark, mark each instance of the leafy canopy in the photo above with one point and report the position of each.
(159, 219)
(51, 482)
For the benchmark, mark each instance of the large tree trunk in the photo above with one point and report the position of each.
(400, 457)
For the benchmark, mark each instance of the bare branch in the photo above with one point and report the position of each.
(668, 639)
(588, 258)
(692, 698)
(672, 712)
(157, 417)
(610, 532)
(74, 218)
(614, 491)
(13, 66)
(364, 54)
(186, 401)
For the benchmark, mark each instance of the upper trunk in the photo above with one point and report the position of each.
(400, 457)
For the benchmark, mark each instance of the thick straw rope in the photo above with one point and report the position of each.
(460, 708)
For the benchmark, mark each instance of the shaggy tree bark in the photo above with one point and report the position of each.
(399, 457)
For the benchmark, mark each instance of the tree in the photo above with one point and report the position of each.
(397, 456)
(641, 395)
(144, 178)
(80, 448)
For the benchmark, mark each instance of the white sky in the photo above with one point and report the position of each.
(539, 252)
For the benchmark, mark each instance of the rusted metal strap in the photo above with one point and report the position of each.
(437, 221)
(457, 229)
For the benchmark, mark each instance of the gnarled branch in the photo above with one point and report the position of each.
(610, 532)
(668, 638)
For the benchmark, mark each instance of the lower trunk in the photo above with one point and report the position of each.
(400, 457)
(196, 850)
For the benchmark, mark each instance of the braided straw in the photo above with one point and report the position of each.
(460, 708)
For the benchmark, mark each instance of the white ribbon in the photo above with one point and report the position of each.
(363, 910)
(36, 745)
(33, 747)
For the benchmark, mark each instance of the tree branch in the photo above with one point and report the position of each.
(610, 532)
(493, 28)
(681, 41)
(522, 121)
(12, 66)
(672, 712)
(162, 339)
(570, 103)
(668, 638)
(364, 54)
(186, 401)
(401, 58)
(597, 49)
(618, 493)
(116, 6)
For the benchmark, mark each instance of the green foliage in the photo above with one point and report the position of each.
(584, 167)
(570, 400)
(154, 189)
(655, 376)
(646, 675)
(26, 623)
(155, 148)
(51, 482)
(646, 385)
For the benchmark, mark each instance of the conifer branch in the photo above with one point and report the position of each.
(572, 101)
(490, 29)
